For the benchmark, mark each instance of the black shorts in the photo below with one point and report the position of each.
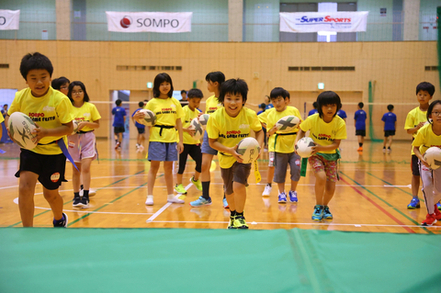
(119, 129)
(50, 168)
(388, 133)
(360, 132)
(237, 173)
(194, 150)
(415, 166)
(140, 130)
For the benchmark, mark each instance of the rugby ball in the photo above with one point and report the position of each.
(203, 119)
(433, 157)
(149, 119)
(248, 148)
(304, 147)
(287, 123)
(197, 127)
(20, 129)
(76, 123)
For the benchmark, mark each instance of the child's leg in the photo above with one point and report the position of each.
(320, 183)
(55, 201)
(270, 175)
(205, 175)
(329, 192)
(26, 192)
(151, 176)
(294, 185)
(168, 175)
(239, 197)
(196, 155)
(85, 172)
(182, 162)
(76, 177)
(389, 142)
(120, 136)
(385, 142)
(426, 178)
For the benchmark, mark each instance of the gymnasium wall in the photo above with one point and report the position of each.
(393, 68)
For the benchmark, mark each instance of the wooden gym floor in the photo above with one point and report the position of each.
(371, 196)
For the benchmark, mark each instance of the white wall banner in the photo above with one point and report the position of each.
(159, 22)
(307, 22)
(9, 19)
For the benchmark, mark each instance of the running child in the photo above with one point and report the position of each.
(390, 124)
(118, 123)
(233, 117)
(360, 125)
(327, 130)
(141, 130)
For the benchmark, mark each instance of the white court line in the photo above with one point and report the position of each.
(93, 212)
(155, 215)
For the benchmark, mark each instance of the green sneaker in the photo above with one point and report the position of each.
(196, 183)
(239, 223)
(231, 223)
(180, 189)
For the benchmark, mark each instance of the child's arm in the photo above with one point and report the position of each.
(181, 135)
(188, 130)
(300, 134)
(221, 148)
(416, 150)
(416, 128)
(94, 125)
(64, 129)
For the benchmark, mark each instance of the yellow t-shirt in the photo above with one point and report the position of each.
(212, 104)
(284, 143)
(1, 118)
(167, 111)
(87, 112)
(426, 139)
(188, 116)
(323, 133)
(413, 118)
(229, 131)
(48, 111)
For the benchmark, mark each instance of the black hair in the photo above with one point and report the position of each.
(35, 61)
(279, 92)
(183, 92)
(118, 102)
(58, 82)
(315, 105)
(195, 93)
(160, 78)
(216, 76)
(82, 86)
(390, 107)
(141, 104)
(262, 106)
(328, 98)
(426, 86)
(361, 105)
(430, 109)
(234, 86)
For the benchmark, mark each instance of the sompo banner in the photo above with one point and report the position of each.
(307, 22)
(9, 19)
(159, 22)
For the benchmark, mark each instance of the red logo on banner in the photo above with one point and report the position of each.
(126, 21)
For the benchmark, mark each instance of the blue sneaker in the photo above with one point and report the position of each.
(326, 213)
(318, 213)
(438, 205)
(201, 202)
(414, 204)
(225, 203)
(62, 222)
(282, 197)
(293, 196)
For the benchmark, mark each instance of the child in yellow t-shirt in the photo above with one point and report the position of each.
(51, 111)
(164, 145)
(226, 128)
(281, 144)
(192, 146)
(416, 119)
(327, 130)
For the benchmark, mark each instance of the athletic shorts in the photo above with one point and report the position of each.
(388, 133)
(82, 146)
(282, 160)
(49, 168)
(318, 163)
(163, 151)
(206, 148)
(117, 130)
(194, 150)
(237, 173)
(414, 165)
(141, 130)
(360, 132)
(271, 157)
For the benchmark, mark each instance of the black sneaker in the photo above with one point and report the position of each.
(61, 223)
(84, 202)
(77, 201)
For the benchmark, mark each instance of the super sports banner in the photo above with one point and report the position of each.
(9, 19)
(159, 22)
(307, 22)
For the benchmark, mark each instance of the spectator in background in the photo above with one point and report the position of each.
(268, 103)
(342, 114)
(360, 125)
(184, 99)
(5, 110)
(313, 111)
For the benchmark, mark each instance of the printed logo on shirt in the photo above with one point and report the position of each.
(48, 109)
(323, 136)
(244, 126)
(234, 134)
(39, 117)
(55, 177)
(86, 114)
(167, 111)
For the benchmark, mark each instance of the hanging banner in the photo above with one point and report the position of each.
(159, 22)
(9, 19)
(307, 22)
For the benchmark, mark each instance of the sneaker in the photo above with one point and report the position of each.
(149, 201)
(239, 223)
(430, 220)
(92, 192)
(318, 213)
(141, 148)
(267, 190)
(117, 145)
(437, 214)
(77, 201)
(180, 189)
(231, 223)
(414, 204)
(225, 203)
(360, 149)
(201, 202)
(196, 183)
(384, 150)
(389, 150)
(326, 213)
(282, 197)
(175, 200)
(293, 196)
(438, 205)
(61, 223)
(85, 202)
(137, 146)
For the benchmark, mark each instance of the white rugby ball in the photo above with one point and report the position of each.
(304, 147)
(287, 123)
(249, 150)
(203, 119)
(20, 128)
(149, 118)
(433, 157)
(76, 123)
(197, 127)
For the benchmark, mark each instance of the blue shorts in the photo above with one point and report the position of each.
(163, 151)
(206, 148)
